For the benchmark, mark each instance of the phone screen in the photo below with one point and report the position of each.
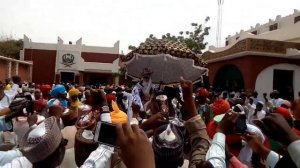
(162, 102)
(241, 125)
(106, 134)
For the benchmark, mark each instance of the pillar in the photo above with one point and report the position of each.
(8, 69)
(116, 80)
(30, 73)
(17, 68)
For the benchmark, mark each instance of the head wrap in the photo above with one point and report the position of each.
(58, 89)
(117, 116)
(44, 88)
(73, 92)
(283, 111)
(220, 106)
(203, 92)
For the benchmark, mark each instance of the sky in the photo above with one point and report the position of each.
(103, 22)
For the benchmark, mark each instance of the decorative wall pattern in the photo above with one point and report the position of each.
(256, 45)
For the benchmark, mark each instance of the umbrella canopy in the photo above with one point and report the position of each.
(167, 59)
(164, 46)
(166, 68)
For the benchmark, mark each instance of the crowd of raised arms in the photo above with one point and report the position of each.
(47, 126)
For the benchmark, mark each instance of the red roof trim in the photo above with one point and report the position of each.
(99, 57)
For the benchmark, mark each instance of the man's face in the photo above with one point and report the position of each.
(80, 95)
(74, 98)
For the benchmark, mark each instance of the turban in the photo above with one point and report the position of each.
(117, 116)
(58, 89)
(73, 92)
(284, 112)
(203, 92)
(220, 106)
(45, 88)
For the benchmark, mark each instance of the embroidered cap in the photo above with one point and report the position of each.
(40, 142)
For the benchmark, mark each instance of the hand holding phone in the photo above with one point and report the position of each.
(106, 134)
(240, 125)
(162, 101)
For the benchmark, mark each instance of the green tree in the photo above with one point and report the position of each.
(10, 47)
(193, 39)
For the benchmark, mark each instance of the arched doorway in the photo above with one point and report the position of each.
(230, 78)
(282, 77)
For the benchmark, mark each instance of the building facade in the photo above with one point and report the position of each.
(73, 63)
(263, 58)
(10, 67)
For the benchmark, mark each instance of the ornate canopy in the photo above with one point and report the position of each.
(163, 46)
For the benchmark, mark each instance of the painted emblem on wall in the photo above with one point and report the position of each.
(68, 59)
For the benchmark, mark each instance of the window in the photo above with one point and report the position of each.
(296, 19)
(226, 43)
(254, 32)
(273, 27)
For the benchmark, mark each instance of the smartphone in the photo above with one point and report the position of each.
(241, 125)
(106, 133)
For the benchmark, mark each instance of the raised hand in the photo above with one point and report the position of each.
(153, 122)
(256, 145)
(189, 104)
(135, 149)
(32, 119)
(227, 124)
(277, 128)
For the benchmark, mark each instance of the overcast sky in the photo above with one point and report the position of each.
(103, 22)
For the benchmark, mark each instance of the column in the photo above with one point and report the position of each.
(81, 78)
(30, 73)
(17, 68)
(8, 69)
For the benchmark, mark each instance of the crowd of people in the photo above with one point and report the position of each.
(47, 126)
